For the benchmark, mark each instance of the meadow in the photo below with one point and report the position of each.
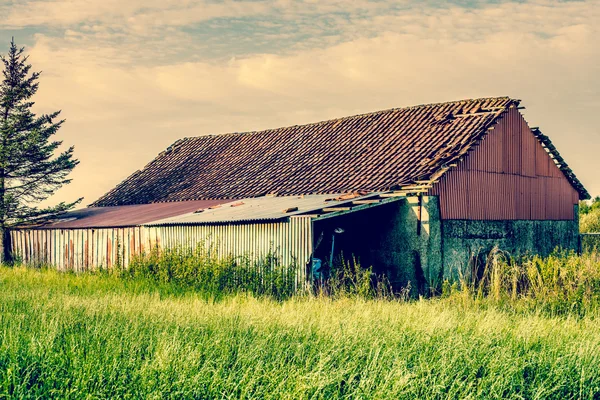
(105, 336)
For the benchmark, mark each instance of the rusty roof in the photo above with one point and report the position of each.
(373, 152)
(130, 215)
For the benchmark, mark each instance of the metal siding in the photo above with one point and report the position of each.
(542, 161)
(86, 249)
(528, 153)
(509, 176)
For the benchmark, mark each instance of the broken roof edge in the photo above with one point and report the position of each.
(451, 161)
(544, 140)
(560, 162)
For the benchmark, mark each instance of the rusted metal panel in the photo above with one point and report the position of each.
(542, 161)
(131, 215)
(528, 149)
(511, 132)
(528, 186)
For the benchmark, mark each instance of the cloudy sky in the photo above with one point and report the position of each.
(132, 76)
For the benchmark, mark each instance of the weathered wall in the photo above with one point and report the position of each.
(509, 176)
(464, 240)
(88, 249)
(389, 239)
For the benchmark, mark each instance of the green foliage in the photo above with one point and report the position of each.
(590, 221)
(100, 336)
(30, 169)
(563, 283)
(349, 279)
(586, 207)
(200, 269)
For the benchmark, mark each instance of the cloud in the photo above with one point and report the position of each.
(127, 95)
(132, 14)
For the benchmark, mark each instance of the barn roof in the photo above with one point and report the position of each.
(130, 215)
(267, 208)
(374, 152)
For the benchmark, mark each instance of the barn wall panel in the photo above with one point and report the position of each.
(89, 249)
(509, 176)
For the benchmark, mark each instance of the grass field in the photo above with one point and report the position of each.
(97, 336)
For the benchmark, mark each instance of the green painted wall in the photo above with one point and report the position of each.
(462, 241)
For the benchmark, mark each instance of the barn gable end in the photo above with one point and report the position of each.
(508, 176)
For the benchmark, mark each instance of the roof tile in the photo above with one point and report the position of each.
(374, 152)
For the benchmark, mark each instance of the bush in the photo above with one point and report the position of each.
(590, 222)
(589, 216)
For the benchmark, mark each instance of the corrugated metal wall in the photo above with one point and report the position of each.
(509, 176)
(84, 249)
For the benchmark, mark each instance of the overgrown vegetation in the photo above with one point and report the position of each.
(199, 268)
(184, 324)
(563, 283)
(100, 336)
(589, 214)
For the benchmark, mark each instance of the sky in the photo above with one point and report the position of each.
(133, 76)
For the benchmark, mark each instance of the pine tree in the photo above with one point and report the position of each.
(31, 167)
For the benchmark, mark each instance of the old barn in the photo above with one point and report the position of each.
(415, 192)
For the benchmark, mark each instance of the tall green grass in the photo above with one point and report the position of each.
(200, 269)
(563, 283)
(101, 336)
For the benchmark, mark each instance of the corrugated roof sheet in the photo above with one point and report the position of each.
(372, 152)
(132, 215)
(260, 209)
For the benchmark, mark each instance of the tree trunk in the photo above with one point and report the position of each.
(5, 247)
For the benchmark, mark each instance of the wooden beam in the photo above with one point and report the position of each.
(336, 209)
(475, 114)
(407, 187)
(393, 194)
(358, 202)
